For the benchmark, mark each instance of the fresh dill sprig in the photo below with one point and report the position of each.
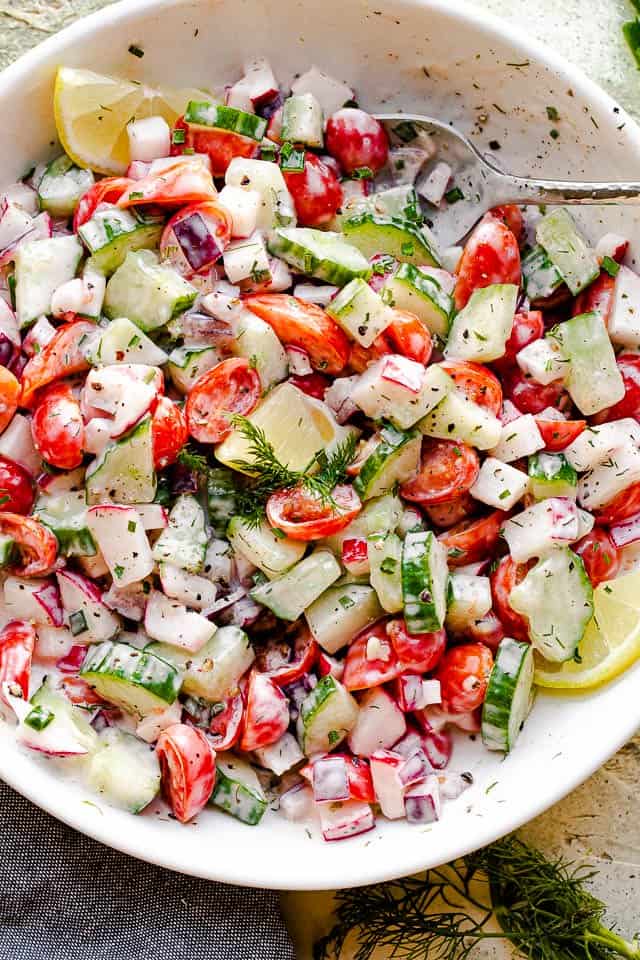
(542, 906)
(192, 460)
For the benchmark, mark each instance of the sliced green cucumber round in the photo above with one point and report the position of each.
(509, 695)
(135, 680)
(395, 459)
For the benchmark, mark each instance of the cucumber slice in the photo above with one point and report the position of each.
(425, 578)
(469, 600)
(394, 460)
(412, 289)
(383, 393)
(397, 203)
(62, 185)
(550, 475)
(360, 312)
(276, 207)
(146, 291)
(124, 770)
(262, 547)
(187, 364)
(138, 681)
(122, 342)
(457, 418)
(342, 612)
(403, 239)
(567, 250)
(290, 594)
(183, 542)
(214, 671)
(481, 329)
(509, 695)
(221, 498)
(112, 233)
(7, 550)
(385, 561)
(377, 518)
(302, 120)
(41, 267)
(327, 716)
(205, 114)
(556, 597)
(254, 339)
(70, 726)
(65, 514)
(238, 790)
(539, 276)
(124, 471)
(593, 379)
(321, 254)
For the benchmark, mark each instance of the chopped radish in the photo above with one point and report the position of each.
(280, 756)
(380, 723)
(611, 245)
(35, 600)
(153, 515)
(415, 768)
(610, 477)
(170, 622)
(16, 443)
(385, 765)
(224, 302)
(152, 725)
(520, 438)
(338, 398)
(255, 89)
(330, 93)
(329, 666)
(595, 444)
(452, 785)
(189, 588)
(414, 693)
(122, 391)
(422, 802)
(74, 658)
(130, 601)
(534, 532)
(54, 645)
(23, 195)
(318, 293)
(243, 207)
(90, 620)
(343, 820)
(542, 360)
(97, 435)
(299, 365)
(330, 780)
(433, 184)
(121, 537)
(149, 138)
(297, 803)
(623, 322)
(450, 258)
(69, 297)
(355, 556)
(406, 373)
(40, 334)
(435, 718)
(499, 485)
(627, 532)
(405, 163)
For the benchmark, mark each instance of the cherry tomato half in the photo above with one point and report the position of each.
(16, 488)
(38, 546)
(169, 432)
(629, 366)
(267, 713)
(356, 140)
(599, 555)
(478, 384)
(450, 512)
(108, 190)
(488, 630)
(528, 326)
(188, 769)
(226, 726)
(17, 642)
(463, 674)
(558, 434)
(361, 672)
(625, 505)
(185, 181)
(284, 661)
(491, 255)
(303, 325)
(302, 515)
(504, 578)
(473, 540)
(510, 214)
(447, 469)
(231, 387)
(361, 357)
(221, 146)
(408, 336)
(316, 191)
(57, 427)
(532, 397)
(9, 397)
(419, 652)
(60, 358)
(598, 297)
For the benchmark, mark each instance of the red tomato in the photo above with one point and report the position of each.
(225, 728)
(598, 297)
(313, 384)
(419, 652)
(629, 406)
(267, 714)
(355, 553)
(491, 255)
(221, 146)
(284, 661)
(487, 630)
(60, 358)
(532, 397)
(356, 139)
(478, 384)
(447, 469)
(304, 325)
(558, 434)
(316, 191)
(57, 427)
(409, 337)
(510, 214)
(528, 326)
(108, 190)
(16, 488)
(17, 641)
(302, 515)
(473, 540)
(358, 776)
(361, 357)
(168, 432)
(599, 555)
(463, 674)
(38, 546)
(450, 512)
(625, 505)
(185, 181)
(361, 673)
(231, 387)
(188, 768)
(504, 578)
(9, 397)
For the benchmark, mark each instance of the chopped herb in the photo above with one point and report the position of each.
(333, 737)
(362, 173)
(554, 134)
(504, 495)
(131, 526)
(39, 718)
(388, 565)
(611, 267)
(453, 195)
(118, 570)
(136, 51)
(178, 136)
(553, 114)
(136, 195)
(346, 602)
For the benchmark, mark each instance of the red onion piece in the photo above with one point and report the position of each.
(330, 780)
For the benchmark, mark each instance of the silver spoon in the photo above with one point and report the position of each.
(484, 186)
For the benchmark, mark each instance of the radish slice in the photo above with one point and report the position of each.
(297, 804)
(385, 766)
(414, 769)
(121, 537)
(452, 785)
(171, 622)
(299, 365)
(380, 723)
(433, 184)
(348, 819)
(149, 138)
(406, 373)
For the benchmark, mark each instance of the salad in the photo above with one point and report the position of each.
(289, 493)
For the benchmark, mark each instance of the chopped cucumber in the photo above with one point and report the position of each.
(458, 418)
(321, 254)
(112, 233)
(62, 185)
(238, 789)
(214, 671)
(124, 471)
(360, 312)
(377, 518)
(206, 114)
(412, 289)
(593, 379)
(302, 120)
(425, 578)
(146, 291)
(540, 278)
(7, 550)
(509, 695)
(41, 267)
(273, 554)
(481, 329)
(291, 593)
(254, 339)
(403, 239)
(556, 597)
(65, 514)
(396, 203)
(125, 770)
(395, 459)
(221, 499)
(183, 542)
(567, 250)
(68, 732)
(499, 485)
(340, 613)
(327, 716)
(187, 364)
(276, 207)
(385, 561)
(469, 600)
(122, 342)
(550, 475)
(400, 390)
(138, 681)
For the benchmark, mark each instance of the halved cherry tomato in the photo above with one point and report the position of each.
(597, 298)
(196, 236)
(358, 776)
(9, 397)
(625, 505)
(417, 653)
(284, 661)
(231, 387)
(409, 337)
(532, 397)
(450, 512)
(558, 434)
(478, 383)
(629, 366)
(187, 180)
(169, 432)
(473, 540)
(267, 714)
(510, 214)
(79, 692)
(221, 146)
(38, 546)
(108, 190)
(60, 358)
(188, 769)
(16, 488)
(302, 515)
(316, 191)
(361, 357)
(447, 469)
(491, 255)
(226, 726)
(356, 139)
(57, 427)
(313, 384)
(303, 325)
(599, 555)
(528, 326)
(463, 674)
(360, 672)
(487, 630)
(17, 641)
(504, 578)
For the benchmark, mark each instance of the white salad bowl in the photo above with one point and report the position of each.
(434, 57)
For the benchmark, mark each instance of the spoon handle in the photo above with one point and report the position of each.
(521, 190)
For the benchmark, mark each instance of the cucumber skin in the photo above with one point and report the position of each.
(382, 457)
(216, 116)
(230, 794)
(563, 483)
(73, 535)
(312, 262)
(420, 604)
(372, 234)
(501, 691)
(121, 662)
(410, 284)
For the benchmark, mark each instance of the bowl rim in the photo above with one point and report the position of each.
(489, 25)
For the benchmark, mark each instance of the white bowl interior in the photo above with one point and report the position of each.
(432, 57)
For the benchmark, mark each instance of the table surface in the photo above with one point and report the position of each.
(599, 821)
